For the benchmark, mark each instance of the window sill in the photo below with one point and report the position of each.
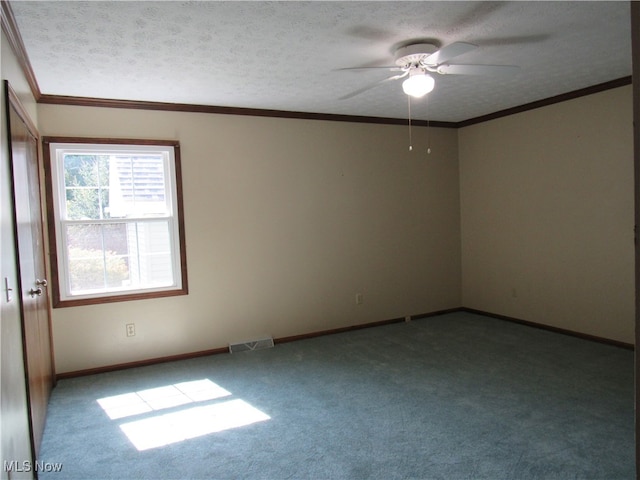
(57, 303)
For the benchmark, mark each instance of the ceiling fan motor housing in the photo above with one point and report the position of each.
(412, 55)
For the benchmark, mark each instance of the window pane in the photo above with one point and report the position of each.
(138, 186)
(86, 179)
(119, 256)
(85, 170)
(150, 248)
(91, 270)
(114, 186)
(97, 257)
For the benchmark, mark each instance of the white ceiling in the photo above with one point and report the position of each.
(285, 55)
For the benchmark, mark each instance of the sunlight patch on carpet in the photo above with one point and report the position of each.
(191, 423)
(135, 403)
(178, 425)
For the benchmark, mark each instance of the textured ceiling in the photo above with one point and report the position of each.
(286, 55)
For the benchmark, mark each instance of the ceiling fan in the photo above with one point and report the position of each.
(417, 61)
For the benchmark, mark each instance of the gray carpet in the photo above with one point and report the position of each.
(458, 396)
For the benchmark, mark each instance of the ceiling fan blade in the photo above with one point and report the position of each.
(478, 69)
(372, 85)
(392, 68)
(448, 52)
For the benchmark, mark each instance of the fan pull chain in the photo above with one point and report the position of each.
(409, 104)
(428, 136)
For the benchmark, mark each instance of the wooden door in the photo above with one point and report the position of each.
(14, 413)
(635, 58)
(23, 147)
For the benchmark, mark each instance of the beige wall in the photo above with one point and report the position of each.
(547, 215)
(286, 220)
(12, 71)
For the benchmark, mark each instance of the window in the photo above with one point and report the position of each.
(115, 220)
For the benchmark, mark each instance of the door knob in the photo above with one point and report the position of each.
(37, 291)
(41, 283)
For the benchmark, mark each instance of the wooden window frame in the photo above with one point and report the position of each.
(53, 223)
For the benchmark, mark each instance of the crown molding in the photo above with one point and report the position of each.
(10, 28)
(582, 92)
(254, 112)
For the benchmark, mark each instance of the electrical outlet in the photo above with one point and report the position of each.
(131, 329)
(359, 299)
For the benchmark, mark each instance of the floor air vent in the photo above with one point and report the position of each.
(251, 345)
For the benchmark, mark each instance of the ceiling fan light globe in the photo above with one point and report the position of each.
(418, 85)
